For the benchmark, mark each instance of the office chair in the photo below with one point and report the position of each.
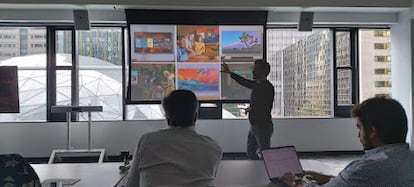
(15, 171)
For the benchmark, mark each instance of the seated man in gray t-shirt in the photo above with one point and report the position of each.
(177, 156)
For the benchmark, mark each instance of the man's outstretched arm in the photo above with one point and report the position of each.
(242, 81)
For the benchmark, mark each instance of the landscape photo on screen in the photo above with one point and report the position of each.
(230, 89)
(241, 43)
(198, 43)
(202, 79)
(152, 81)
(152, 43)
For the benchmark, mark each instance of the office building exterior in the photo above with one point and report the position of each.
(103, 44)
(375, 63)
(301, 63)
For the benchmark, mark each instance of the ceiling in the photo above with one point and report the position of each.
(270, 5)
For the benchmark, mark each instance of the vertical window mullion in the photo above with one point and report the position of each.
(342, 109)
(75, 73)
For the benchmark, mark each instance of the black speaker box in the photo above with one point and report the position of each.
(81, 20)
(305, 21)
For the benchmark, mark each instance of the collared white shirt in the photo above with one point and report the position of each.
(174, 157)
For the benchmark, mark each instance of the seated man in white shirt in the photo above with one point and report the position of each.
(177, 156)
(388, 161)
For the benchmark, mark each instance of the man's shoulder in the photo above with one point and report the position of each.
(154, 134)
(178, 133)
(269, 83)
(208, 139)
(371, 166)
(175, 136)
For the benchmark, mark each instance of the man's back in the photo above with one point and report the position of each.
(176, 157)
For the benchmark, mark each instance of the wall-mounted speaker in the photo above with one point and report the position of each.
(81, 20)
(305, 21)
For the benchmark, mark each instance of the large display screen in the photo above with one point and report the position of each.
(168, 57)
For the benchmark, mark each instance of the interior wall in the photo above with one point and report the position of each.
(308, 135)
(239, 3)
(338, 17)
(118, 16)
(401, 38)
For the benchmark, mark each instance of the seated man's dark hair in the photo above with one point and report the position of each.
(180, 108)
(386, 115)
(264, 66)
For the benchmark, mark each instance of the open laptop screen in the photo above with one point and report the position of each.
(280, 160)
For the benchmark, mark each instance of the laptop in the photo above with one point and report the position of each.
(280, 160)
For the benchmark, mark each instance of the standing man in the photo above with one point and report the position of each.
(177, 156)
(388, 161)
(261, 102)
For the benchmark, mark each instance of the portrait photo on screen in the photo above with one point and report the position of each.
(198, 43)
(202, 79)
(230, 89)
(241, 43)
(150, 81)
(152, 42)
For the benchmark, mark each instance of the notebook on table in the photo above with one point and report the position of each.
(280, 160)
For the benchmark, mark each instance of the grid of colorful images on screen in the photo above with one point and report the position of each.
(169, 57)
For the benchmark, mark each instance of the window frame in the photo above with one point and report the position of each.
(345, 110)
(338, 110)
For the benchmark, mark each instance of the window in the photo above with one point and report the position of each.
(31, 73)
(100, 72)
(234, 110)
(382, 83)
(382, 58)
(344, 67)
(381, 33)
(38, 36)
(145, 112)
(301, 72)
(374, 76)
(382, 71)
(382, 95)
(381, 45)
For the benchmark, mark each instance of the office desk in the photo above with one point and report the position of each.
(230, 173)
(253, 173)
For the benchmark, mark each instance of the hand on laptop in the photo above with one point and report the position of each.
(292, 180)
(307, 177)
(319, 177)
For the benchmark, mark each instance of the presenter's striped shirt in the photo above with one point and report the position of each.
(390, 165)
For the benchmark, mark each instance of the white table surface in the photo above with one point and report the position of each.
(230, 173)
(91, 174)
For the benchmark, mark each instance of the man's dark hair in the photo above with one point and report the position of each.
(180, 107)
(264, 66)
(386, 115)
